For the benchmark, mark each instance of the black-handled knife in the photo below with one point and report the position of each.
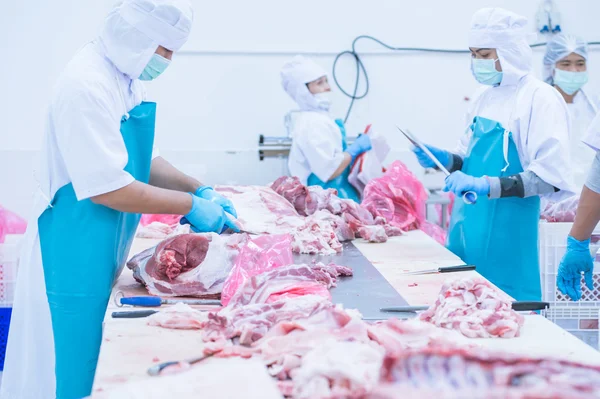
(134, 314)
(445, 269)
(519, 306)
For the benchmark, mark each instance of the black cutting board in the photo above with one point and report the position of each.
(367, 290)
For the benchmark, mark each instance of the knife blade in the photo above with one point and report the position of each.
(445, 269)
(134, 314)
(519, 306)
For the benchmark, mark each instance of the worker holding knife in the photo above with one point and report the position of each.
(515, 150)
(99, 171)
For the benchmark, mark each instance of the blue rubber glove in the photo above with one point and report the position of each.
(426, 162)
(208, 217)
(577, 259)
(209, 194)
(360, 145)
(459, 183)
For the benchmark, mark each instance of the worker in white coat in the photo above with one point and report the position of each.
(565, 68)
(319, 154)
(98, 173)
(515, 149)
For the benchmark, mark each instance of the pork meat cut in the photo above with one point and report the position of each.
(463, 373)
(188, 264)
(475, 308)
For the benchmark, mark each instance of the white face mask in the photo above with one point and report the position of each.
(323, 100)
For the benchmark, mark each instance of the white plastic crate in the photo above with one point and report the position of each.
(552, 247)
(580, 321)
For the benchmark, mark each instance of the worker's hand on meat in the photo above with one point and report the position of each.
(459, 183)
(209, 194)
(426, 162)
(361, 144)
(208, 217)
(577, 260)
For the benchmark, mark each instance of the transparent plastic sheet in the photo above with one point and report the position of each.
(563, 211)
(260, 254)
(11, 223)
(166, 219)
(400, 197)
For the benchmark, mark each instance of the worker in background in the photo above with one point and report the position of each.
(515, 149)
(319, 154)
(578, 259)
(565, 68)
(98, 173)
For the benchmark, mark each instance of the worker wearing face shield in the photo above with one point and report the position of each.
(565, 68)
(319, 154)
(514, 150)
(99, 171)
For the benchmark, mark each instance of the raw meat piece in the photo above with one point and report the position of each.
(373, 233)
(323, 199)
(338, 370)
(179, 317)
(482, 374)
(400, 335)
(261, 210)
(289, 281)
(377, 231)
(259, 255)
(399, 197)
(187, 264)
(316, 237)
(252, 322)
(295, 192)
(475, 308)
(341, 227)
(563, 211)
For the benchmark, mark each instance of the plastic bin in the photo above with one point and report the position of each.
(552, 247)
(581, 321)
(5, 313)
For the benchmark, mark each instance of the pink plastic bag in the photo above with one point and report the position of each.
(260, 254)
(166, 219)
(563, 211)
(398, 196)
(434, 231)
(449, 208)
(10, 223)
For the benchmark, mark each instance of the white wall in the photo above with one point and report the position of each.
(223, 89)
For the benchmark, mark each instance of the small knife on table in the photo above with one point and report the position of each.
(134, 314)
(445, 269)
(518, 306)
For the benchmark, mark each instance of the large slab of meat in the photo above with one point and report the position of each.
(475, 308)
(463, 373)
(188, 264)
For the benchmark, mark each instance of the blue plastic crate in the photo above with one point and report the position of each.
(5, 314)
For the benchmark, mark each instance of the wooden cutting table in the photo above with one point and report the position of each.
(130, 346)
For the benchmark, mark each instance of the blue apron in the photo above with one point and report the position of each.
(84, 248)
(499, 236)
(340, 183)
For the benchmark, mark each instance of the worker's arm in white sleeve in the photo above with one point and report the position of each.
(92, 147)
(588, 210)
(325, 157)
(165, 175)
(547, 148)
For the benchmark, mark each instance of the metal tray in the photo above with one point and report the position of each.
(367, 290)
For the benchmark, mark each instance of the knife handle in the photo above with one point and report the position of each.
(529, 305)
(149, 301)
(135, 314)
(450, 269)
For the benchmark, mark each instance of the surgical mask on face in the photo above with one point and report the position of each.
(485, 71)
(570, 82)
(155, 67)
(323, 100)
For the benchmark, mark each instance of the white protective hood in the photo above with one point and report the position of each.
(506, 32)
(295, 74)
(134, 29)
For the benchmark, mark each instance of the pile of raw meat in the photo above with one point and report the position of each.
(315, 349)
(563, 211)
(317, 218)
